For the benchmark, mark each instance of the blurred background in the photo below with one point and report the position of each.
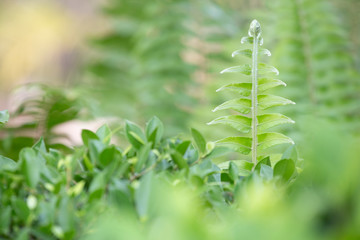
(67, 65)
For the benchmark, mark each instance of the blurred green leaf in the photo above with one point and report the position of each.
(104, 134)
(107, 156)
(7, 163)
(284, 169)
(5, 219)
(154, 130)
(88, 135)
(30, 166)
(134, 134)
(179, 160)
(142, 156)
(266, 172)
(233, 171)
(264, 161)
(142, 195)
(199, 141)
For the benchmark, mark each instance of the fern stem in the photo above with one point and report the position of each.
(254, 100)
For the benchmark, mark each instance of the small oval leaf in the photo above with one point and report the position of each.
(134, 134)
(284, 169)
(88, 135)
(199, 140)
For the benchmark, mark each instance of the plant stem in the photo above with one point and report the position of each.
(254, 100)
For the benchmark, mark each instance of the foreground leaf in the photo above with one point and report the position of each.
(284, 169)
(199, 140)
(134, 134)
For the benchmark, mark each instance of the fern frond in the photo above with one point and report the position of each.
(316, 58)
(253, 121)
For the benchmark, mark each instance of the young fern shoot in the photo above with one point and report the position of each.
(253, 121)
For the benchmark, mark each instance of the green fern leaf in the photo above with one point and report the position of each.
(253, 121)
(240, 123)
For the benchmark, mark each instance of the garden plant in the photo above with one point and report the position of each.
(153, 186)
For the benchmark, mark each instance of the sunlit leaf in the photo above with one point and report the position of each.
(264, 68)
(268, 83)
(269, 120)
(248, 52)
(244, 69)
(244, 89)
(239, 144)
(268, 101)
(244, 167)
(267, 140)
(240, 123)
(242, 105)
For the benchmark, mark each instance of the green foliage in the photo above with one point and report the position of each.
(314, 54)
(37, 115)
(44, 179)
(145, 192)
(150, 186)
(141, 61)
(253, 120)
